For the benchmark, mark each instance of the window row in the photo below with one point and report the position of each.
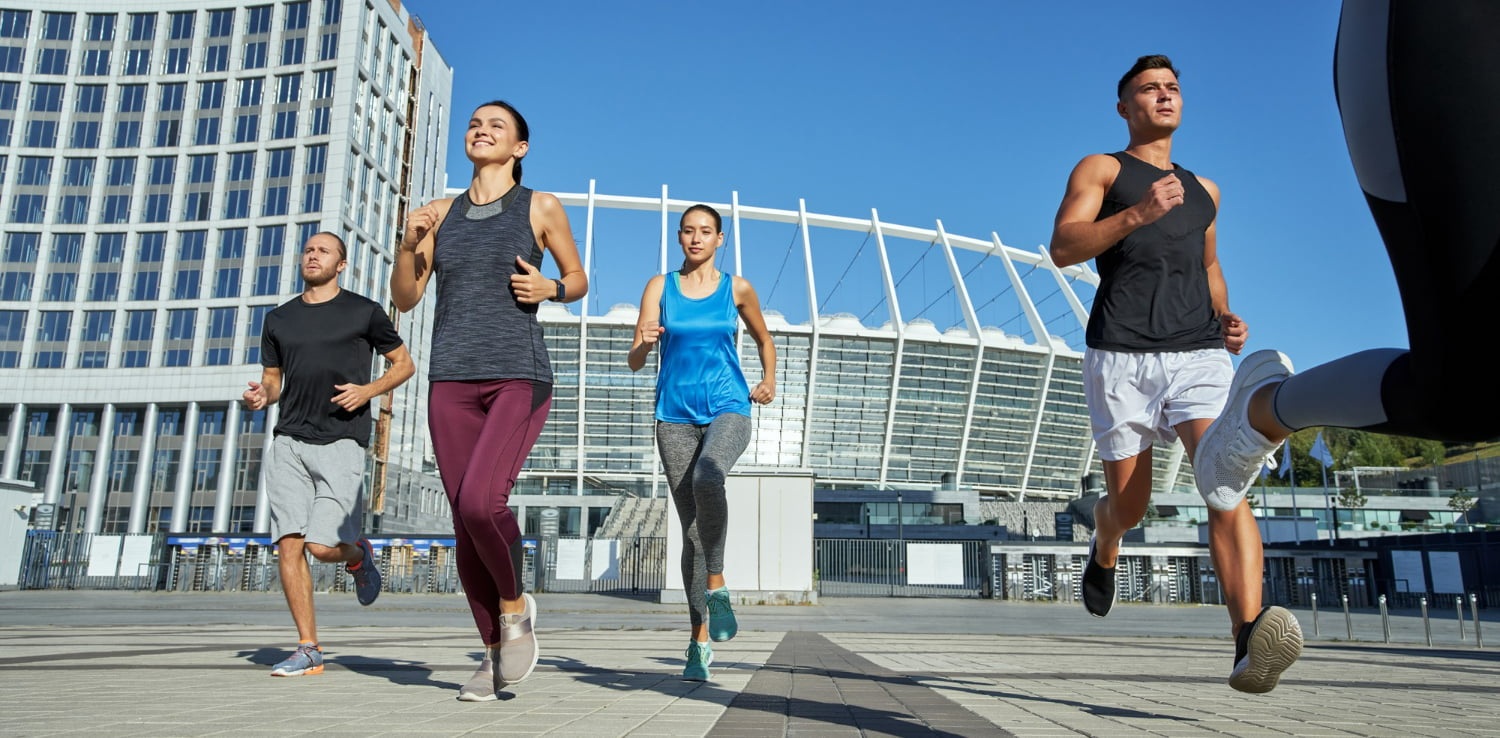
(172, 333)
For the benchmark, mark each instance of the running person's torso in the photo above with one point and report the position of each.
(318, 346)
(1153, 288)
(700, 377)
(480, 330)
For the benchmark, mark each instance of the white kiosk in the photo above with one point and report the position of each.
(768, 551)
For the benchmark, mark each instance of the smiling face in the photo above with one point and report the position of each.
(322, 260)
(699, 236)
(493, 136)
(1152, 102)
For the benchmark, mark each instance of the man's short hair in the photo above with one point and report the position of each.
(1150, 61)
(343, 251)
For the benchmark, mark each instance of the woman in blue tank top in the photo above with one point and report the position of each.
(490, 380)
(702, 410)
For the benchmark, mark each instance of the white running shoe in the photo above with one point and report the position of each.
(1231, 453)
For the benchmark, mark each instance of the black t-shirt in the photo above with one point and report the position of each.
(318, 346)
(1153, 288)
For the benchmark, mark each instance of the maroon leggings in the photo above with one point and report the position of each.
(482, 432)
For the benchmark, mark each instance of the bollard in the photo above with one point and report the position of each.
(1348, 621)
(1458, 607)
(1385, 620)
(1474, 612)
(1426, 624)
(1315, 612)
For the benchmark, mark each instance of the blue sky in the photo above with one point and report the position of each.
(972, 113)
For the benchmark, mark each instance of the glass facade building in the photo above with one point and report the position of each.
(162, 164)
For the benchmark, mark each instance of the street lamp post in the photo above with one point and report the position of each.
(900, 520)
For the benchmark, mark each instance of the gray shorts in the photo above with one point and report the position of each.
(314, 490)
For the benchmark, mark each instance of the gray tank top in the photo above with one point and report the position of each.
(481, 331)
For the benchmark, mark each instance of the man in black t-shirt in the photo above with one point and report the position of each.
(316, 351)
(1156, 367)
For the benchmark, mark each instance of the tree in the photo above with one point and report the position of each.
(1461, 502)
(1352, 498)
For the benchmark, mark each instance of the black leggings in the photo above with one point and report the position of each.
(1418, 85)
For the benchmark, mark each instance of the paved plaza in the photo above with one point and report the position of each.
(123, 663)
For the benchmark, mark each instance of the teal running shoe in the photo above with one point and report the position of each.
(699, 656)
(305, 661)
(721, 623)
(366, 574)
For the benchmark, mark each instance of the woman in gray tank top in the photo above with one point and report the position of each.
(489, 374)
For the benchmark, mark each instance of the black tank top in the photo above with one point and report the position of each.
(480, 330)
(1153, 288)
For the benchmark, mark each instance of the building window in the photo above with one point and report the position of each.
(101, 27)
(13, 333)
(62, 276)
(182, 25)
(18, 266)
(139, 328)
(143, 27)
(150, 249)
(216, 58)
(137, 61)
(220, 336)
(293, 50)
(187, 283)
(180, 329)
(57, 26)
(52, 339)
(257, 320)
(95, 62)
(255, 55)
(230, 262)
(98, 327)
(177, 60)
(51, 61)
(13, 23)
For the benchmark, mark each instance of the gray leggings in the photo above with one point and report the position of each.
(696, 459)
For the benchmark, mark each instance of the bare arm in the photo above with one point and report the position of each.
(650, 314)
(1077, 236)
(414, 260)
(354, 396)
(1235, 331)
(549, 221)
(749, 304)
(266, 392)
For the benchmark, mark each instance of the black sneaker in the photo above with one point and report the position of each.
(1264, 648)
(1098, 585)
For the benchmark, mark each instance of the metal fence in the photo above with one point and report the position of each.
(614, 565)
(860, 567)
(62, 560)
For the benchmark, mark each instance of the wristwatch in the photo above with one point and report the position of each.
(562, 291)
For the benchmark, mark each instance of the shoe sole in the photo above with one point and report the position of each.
(1114, 594)
(1273, 648)
(311, 670)
(1251, 374)
(368, 560)
(536, 651)
(468, 697)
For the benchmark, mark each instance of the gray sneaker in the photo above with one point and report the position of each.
(1264, 649)
(481, 687)
(518, 650)
(1231, 453)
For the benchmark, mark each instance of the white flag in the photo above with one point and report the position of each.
(1320, 451)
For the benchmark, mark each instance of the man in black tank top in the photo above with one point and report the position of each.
(1156, 367)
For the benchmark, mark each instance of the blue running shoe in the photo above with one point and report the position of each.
(366, 574)
(721, 623)
(699, 656)
(306, 660)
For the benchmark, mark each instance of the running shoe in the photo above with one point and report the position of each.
(517, 654)
(1264, 649)
(481, 687)
(721, 622)
(305, 661)
(1098, 585)
(366, 574)
(1231, 453)
(699, 656)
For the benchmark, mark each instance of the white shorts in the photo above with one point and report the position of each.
(1137, 399)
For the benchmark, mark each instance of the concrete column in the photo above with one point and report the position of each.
(140, 497)
(103, 461)
(57, 471)
(15, 442)
(183, 495)
(224, 499)
(262, 503)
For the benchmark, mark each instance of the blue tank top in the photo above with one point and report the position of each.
(700, 377)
